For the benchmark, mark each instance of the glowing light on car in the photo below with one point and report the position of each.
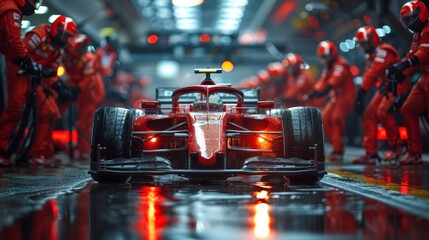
(261, 140)
(153, 140)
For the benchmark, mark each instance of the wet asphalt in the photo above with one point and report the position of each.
(351, 202)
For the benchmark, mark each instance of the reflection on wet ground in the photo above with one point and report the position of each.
(228, 210)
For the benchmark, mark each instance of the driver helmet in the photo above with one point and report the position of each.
(63, 29)
(293, 63)
(79, 45)
(263, 76)
(327, 51)
(367, 38)
(413, 15)
(215, 99)
(215, 103)
(275, 69)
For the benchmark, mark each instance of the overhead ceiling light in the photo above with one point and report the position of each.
(52, 18)
(227, 28)
(232, 11)
(380, 32)
(229, 21)
(25, 23)
(144, 2)
(187, 21)
(235, 2)
(161, 3)
(387, 29)
(227, 15)
(164, 13)
(187, 3)
(180, 12)
(41, 10)
(187, 24)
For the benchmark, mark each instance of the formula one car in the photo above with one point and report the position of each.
(209, 132)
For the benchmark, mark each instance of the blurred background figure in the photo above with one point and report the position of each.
(251, 82)
(110, 68)
(13, 89)
(277, 81)
(87, 86)
(299, 81)
(414, 17)
(264, 84)
(335, 78)
(138, 87)
(379, 56)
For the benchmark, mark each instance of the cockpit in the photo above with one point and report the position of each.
(213, 105)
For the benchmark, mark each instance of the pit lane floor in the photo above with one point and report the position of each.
(351, 202)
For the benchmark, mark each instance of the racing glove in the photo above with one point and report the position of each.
(63, 91)
(394, 73)
(27, 65)
(313, 94)
(318, 94)
(360, 101)
(48, 73)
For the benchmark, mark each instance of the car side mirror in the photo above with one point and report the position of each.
(149, 107)
(265, 104)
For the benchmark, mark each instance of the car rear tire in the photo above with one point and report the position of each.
(302, 129)
(112, 129)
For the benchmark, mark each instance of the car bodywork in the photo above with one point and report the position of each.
(208, 131)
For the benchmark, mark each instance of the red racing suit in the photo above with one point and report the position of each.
(42, 51)
(13, 47)
(335, 112)
(84, 74)
(297, 86)
(378, 110)
(418, 100)
(11, 44)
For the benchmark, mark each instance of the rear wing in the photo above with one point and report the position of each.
(164, 96)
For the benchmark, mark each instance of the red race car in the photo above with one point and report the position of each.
(207, 131)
